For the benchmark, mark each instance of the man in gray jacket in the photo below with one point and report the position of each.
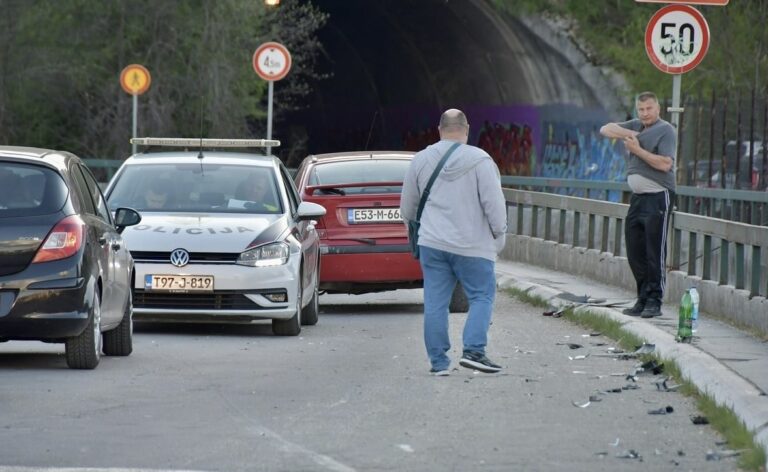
(463, 228)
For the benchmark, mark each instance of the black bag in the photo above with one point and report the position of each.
(413, 237)
(414, 225)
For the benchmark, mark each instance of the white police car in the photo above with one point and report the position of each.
(223, 237)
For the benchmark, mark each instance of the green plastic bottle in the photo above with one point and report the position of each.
(685, 319)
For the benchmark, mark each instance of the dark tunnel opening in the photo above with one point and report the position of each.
(394, 66)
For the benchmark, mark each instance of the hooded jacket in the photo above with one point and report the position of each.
(466, 212)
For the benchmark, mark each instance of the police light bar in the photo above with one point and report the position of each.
(206, 142)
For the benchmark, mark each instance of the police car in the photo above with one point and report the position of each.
(224, 236)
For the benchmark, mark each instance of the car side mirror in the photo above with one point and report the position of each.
(309, 211)
(126, 217)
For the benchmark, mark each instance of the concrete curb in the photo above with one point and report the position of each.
(708, 374)
(725, 300)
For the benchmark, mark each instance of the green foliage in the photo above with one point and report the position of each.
(614, 30)
(59, 77)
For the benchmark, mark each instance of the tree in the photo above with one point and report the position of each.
(614, 32)
(62, 60)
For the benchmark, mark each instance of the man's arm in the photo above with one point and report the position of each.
(409, 197)
(657, 161)
(613, 130)
(492, 197)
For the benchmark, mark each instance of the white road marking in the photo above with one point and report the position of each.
(293, 448)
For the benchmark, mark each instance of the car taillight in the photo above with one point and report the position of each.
(63, 241)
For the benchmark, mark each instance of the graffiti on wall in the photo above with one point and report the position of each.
(578, 151)
(510, 145)
(553, 141)
(572, 147)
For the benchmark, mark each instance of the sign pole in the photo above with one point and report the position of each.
(270, 95)
(135, 80)
(675, 109)
(135, 120)
(271, 61)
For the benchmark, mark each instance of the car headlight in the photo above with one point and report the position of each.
(264, 256)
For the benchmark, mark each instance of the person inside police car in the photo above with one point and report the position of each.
(257, 189)
(158, 194)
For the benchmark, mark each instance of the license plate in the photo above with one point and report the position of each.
(179, 283)
(373, 215)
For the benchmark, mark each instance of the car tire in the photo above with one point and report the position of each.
(84, 351)
(310, 313)
(119, 341)
(459, 302)
(291, 326)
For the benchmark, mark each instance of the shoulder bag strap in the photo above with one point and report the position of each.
(432, 179)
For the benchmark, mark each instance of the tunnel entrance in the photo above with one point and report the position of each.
(395, 66)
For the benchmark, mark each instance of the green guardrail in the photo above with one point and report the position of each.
(744, 206)
(727, 252)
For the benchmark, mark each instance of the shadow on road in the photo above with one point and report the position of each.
(26, 360)
(262, 328)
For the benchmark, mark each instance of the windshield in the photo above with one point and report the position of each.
(196, 188)
(30, 190)
(362, 171)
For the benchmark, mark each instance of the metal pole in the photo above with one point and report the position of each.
(675, 108)
(135, 120)
(269, 114)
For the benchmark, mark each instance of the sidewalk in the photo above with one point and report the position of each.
(722, 361)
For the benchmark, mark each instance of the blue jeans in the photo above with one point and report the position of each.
(441, 271)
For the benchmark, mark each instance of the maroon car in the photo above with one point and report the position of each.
(363, 241)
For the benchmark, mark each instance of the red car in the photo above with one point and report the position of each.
(363, 241)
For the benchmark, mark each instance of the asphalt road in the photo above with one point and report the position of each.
(350, 394)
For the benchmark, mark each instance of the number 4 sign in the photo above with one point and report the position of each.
(677, 39)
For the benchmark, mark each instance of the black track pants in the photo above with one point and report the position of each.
(645, 232)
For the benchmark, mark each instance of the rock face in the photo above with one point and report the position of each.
(437, 51)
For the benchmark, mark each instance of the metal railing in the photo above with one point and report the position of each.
(727, 252)
(745, 206)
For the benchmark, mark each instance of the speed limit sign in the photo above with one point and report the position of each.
(677, 39)
(271, 61)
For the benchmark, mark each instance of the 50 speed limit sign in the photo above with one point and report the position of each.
(677, 39)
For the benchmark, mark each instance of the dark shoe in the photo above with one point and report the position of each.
(652, 309)
(439, 372)
(478, 361)
(635, 310)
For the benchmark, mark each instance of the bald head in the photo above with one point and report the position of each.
(454, 125)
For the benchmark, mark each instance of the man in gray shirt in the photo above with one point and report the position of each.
(652, 146)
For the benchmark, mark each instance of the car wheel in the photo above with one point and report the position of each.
(459, 301)
(309, 314)
(119, 341)
(291, 326)
(84, 351)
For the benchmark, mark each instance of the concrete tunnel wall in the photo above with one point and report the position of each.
(396, 65)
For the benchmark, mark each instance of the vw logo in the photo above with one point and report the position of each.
(179, 257)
